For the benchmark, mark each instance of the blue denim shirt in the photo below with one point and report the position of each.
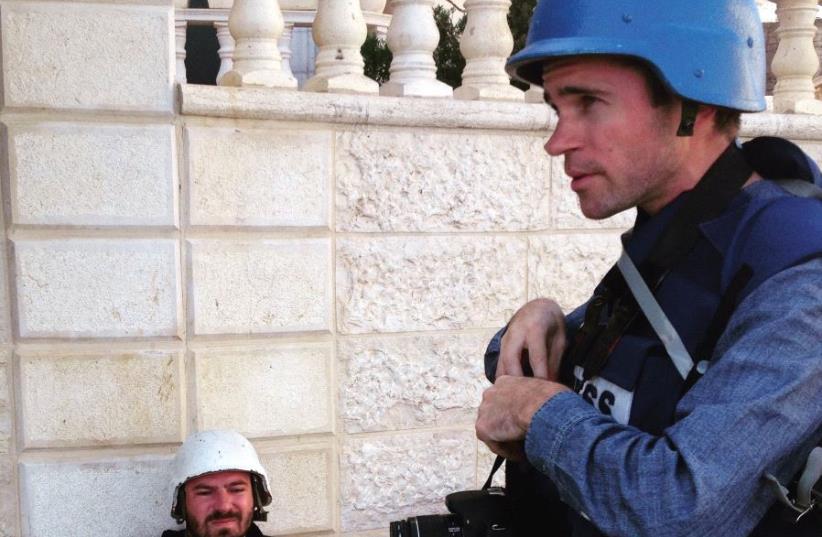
(757, 410)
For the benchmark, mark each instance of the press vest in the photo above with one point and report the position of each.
(764, 231)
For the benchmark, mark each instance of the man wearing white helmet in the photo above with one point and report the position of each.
(685, 396)
(218, 487)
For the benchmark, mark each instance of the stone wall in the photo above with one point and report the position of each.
(318, 272)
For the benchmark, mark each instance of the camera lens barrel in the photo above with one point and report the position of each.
(428, 526)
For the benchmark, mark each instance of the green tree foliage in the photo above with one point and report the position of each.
(518, 19)
(447, 56)
(377, 57)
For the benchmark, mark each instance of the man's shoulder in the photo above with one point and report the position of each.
(174, 533)
(768, 229)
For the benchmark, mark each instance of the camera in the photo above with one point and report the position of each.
(418, 526)
(474, 513)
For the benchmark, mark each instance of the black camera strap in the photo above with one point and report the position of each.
(497, 464)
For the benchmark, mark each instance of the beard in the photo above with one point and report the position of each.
(195, 528)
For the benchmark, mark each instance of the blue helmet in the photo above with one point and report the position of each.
(707, 51)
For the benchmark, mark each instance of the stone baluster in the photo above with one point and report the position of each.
(180, 42)
(284, 45)
(339, 31)
(412, 38)
(226, 51)
(796, 60)
(486, 43)
(256, 25)
(535, 94)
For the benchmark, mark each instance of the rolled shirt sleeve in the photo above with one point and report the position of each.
(757, 410)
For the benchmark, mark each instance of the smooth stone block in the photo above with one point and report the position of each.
(302, 484)
(97, 287)
(123, 497)
(100, 400)
(290, 387)
(253, 177)
(265, 286)
(88, 56)
(85, 174)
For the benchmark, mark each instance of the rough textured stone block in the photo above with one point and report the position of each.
(259, 177)
(302, 485)
(97, 288)
(415, 181)
(127, 498)
(265, 392)
(411, 381)
(259, 287)
(568, 267)
(88, 400)
(385, 479)
(92, 174)
(87, 56)
(565, 205)
(410, 283)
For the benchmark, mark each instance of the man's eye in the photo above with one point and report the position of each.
(202, 493)
(236, 490)
(588, 100)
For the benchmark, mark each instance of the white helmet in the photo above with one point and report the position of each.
(207, 452)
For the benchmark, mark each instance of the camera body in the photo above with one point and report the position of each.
(474, 513)
(419, 526)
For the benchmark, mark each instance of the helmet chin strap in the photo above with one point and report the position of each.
(686, 124)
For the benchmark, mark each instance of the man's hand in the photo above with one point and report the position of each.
(507, 409)
(538, 328)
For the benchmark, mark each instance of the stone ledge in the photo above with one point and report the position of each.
(269, 104)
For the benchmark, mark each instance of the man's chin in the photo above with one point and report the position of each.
(230, 528)
(219, 529)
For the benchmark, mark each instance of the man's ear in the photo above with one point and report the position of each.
(705, 117)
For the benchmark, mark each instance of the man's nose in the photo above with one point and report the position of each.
(223, 501)
(564, 138)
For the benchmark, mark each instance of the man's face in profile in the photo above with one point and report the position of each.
(219, 504)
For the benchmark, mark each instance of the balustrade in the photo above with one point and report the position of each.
(339, 63)
(796, 60)
(180, 50)
(486, 43)
(412, 38)
(256, 26)
(255, 48)
(226, 51)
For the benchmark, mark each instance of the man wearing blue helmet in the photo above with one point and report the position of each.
(685, 397)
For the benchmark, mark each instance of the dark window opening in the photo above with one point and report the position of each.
(202, 58)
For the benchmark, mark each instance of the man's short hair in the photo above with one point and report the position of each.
(727, 121)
